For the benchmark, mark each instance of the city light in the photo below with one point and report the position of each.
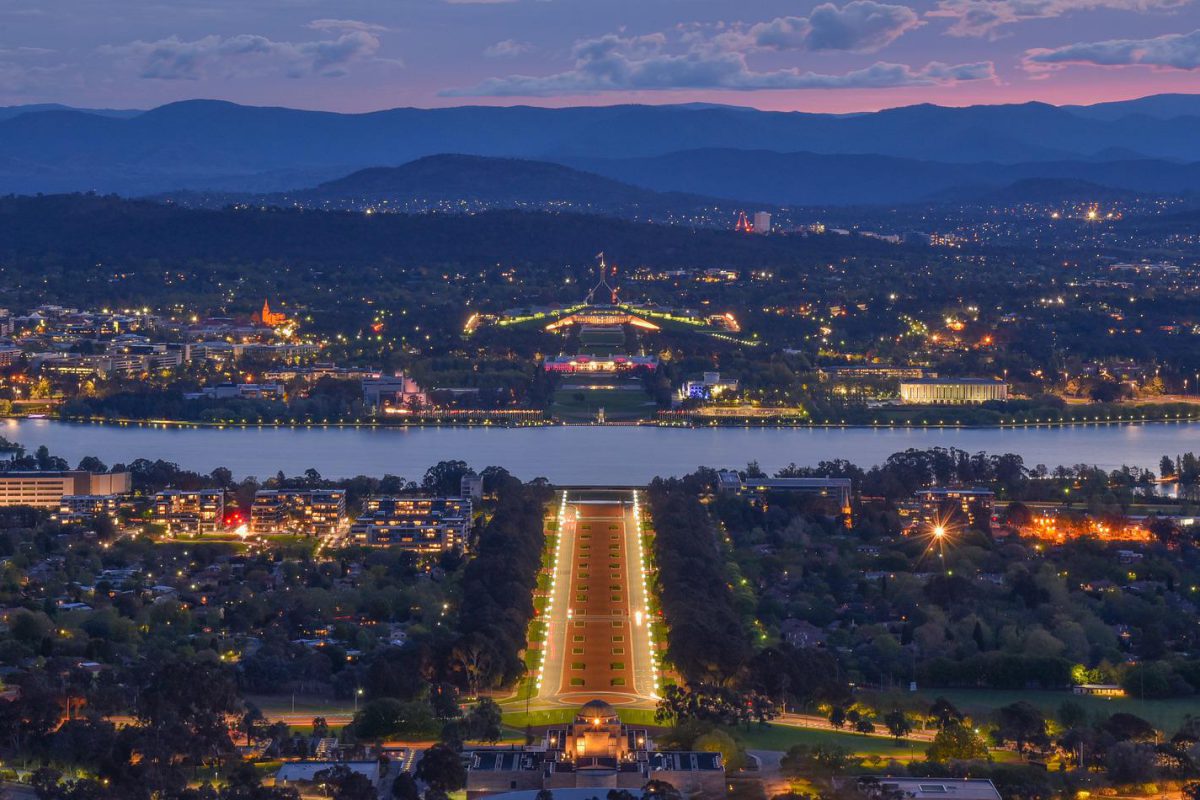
(638, 614)
(562, 521)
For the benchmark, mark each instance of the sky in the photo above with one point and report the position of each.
(365, 55)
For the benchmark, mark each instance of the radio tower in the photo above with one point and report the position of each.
(744, 225)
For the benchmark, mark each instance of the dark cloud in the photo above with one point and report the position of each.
(645, 63)
(174, 58)
(1172, 51)
(859, 26)
(985, 17)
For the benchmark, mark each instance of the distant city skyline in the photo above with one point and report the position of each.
(357, 56)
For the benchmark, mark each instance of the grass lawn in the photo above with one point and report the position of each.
(1166, 715)
(874, 748)
(617, 404)
(782, 737)
(517, 720)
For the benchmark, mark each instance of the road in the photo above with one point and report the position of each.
(597, 642)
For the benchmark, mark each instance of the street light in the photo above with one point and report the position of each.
(357, 694)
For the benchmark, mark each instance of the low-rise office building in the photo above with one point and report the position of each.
(46, 489)
(955, 506)
(423, 524)
(189, 512)
(86, 507)
(316, 512)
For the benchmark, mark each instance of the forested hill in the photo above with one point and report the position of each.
(93, 248)
(464, 183)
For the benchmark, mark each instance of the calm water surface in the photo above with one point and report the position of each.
(582, 455)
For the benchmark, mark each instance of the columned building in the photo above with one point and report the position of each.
(595, 751)
(952, 391)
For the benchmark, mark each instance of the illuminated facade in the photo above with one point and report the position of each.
(596, 750)
(422, 524)
(952, 391)
(85, 507)
(189, 512)
(586, 363)
(46, 489)
(316, 512)
(393, 393)
(272, 319)
(972, 507)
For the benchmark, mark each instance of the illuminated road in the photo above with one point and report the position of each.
(598, 641)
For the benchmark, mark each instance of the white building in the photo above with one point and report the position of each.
(952, 391)
(762, 221)
(393, 393)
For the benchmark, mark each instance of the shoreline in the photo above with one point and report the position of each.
(724, 422)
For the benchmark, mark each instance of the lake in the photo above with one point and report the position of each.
(585, 455)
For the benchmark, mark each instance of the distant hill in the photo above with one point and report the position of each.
(667, 188)
(816, 179)
(8, 112)
(1037, 190)
(455, 182)
(214, 145)
(1053, 190)
(1158, 106)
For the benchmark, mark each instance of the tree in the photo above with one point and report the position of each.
(1071, 714)
(445, 478)
(660, 790)
(92, 464)
(721, 742)
(864, 725)
(837, 717)
(442, 769)
(1129, 727)
(897, 723)
(405, 788)
(1166, 467)
(944, 713)
(388, 716)
(956, 742)
(483, 721)
(803, 761)
(1022, 724)
(346, 783)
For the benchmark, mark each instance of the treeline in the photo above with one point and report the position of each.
(1043, 409)
(708, 642)
(497, 588)
(328, 400)
(995, 670)
(180, 721)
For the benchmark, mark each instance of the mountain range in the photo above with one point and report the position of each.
(670, 187)
(722, 151)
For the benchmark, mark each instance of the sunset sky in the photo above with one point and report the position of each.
(360, 55)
